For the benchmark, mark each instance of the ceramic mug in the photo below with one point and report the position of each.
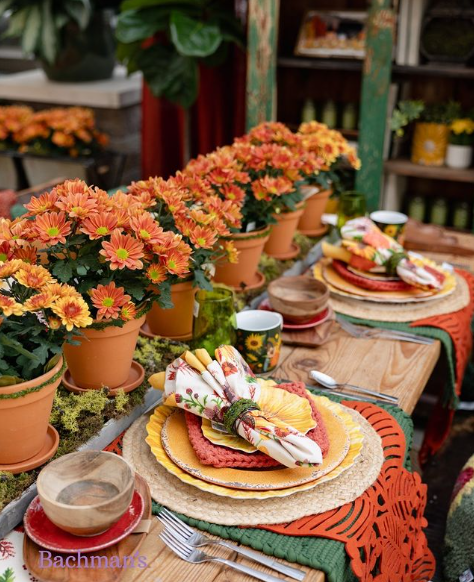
(259, 339)
(391, 223)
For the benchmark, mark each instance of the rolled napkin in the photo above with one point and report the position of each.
(224, 390)
(362, 238)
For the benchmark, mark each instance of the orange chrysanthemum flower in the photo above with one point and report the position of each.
(99, 225)
(77, 205)
(40, 301)
(52, 228)
(6, 252)
(108, 299)
(156, 273)
(176, 263)
(10, 268)
(168, 241)
(27, 255)
(73, 312)
(203, 237)
(43, 203)
(59, 290)
(9, 306)
(146, 228)
(128, 312)
(33, 276)
(122, 251)
(54, 322)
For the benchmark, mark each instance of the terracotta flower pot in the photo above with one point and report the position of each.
(244, 273)
(175, 323)
(429, 145)
(104, 357)
(24, 419)
(310, 222)
(280, 244)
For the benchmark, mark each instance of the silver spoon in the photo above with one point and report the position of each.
(330, 383)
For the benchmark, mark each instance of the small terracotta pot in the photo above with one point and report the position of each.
(104, 357)
(176, 322)
(244, 273)
(310, 221)
(24, 420)
(429, 145)
(282, 233)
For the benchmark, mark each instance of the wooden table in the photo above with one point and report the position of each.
(398, 368)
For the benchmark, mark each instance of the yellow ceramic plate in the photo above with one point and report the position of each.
(154, 430)
(339, 286)
(288, 408)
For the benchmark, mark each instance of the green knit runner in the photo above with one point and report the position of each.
(319, 553)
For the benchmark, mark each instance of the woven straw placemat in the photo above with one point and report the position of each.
(178, 496)
(404, 312)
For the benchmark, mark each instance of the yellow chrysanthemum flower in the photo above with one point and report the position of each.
(73, 312)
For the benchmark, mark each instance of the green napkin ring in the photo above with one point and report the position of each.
(236, 411)
(392, 263)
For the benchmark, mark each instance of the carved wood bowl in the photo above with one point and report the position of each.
(299, 299)
(85, 493)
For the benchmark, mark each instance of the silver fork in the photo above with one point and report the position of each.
(195, 539)
(359, 331)
(194, 556)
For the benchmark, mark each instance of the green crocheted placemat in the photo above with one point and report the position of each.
(321, 554)
(450, 397)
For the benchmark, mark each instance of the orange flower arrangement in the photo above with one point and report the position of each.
(62, 131)
(191, 208)
(110, 248)
(12, 119)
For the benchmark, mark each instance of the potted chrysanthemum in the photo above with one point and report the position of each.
(110, 249)
(333, 150)
(38, 315)
(186, 206)
(460, 144)
(280, 245)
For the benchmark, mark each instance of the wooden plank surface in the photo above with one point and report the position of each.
(164, 566)
(404, 167)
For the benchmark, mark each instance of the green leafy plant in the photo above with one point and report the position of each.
(41, 24)
(185, 32)
(405, 113)
(411, 110)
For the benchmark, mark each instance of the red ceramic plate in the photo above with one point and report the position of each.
(321, 317)
(47, 535)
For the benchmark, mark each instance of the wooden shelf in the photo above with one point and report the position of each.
(296, 62)
(406, 168)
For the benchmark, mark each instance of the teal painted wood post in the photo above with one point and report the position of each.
(261, 61)
(373, 107)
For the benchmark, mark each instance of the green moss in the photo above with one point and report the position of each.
(78, 417)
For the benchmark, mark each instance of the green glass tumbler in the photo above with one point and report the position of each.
(352, 204)
(214, 321)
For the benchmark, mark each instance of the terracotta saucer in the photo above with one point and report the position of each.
(135, 378)
(257, 281)
(50, 447)
(321, 317)
(294, 251)
(43, 532)
(316, 232)
(145, 331)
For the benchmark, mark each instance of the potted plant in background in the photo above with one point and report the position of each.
(186, 206)
(38, 315)
(59, 140)
(460, 145)
(289, 210)
(110, 249)
(335, 154)
(73, 39)
(12, 119)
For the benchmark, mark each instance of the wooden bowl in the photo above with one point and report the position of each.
(299, 299)
(85, 493)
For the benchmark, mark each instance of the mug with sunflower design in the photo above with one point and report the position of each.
(391, 223)
(259, 339)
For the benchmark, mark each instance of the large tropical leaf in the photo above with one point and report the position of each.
(133, 25)
(137, 4)
(79, 10)
(194, 38)
(4, 5)
(32, 30)
(17, 22)
(49, 38)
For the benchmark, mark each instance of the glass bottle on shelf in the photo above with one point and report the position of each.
(439, 212)
(417, 208)
(329, 114)
(308, 113)
(461, 215)
(349, 116)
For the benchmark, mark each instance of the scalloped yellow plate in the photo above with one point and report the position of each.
(327, 409)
